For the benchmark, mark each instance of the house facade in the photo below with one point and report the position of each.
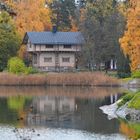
(53, 51)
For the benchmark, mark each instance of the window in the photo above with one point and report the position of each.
(48, 59)
(67, 46)
(49, 46)
(66, 59)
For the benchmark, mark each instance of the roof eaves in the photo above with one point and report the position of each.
(36, 43)
(24, 41)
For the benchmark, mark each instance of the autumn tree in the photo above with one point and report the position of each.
(123, 6)
(130, 42)
(32, 15)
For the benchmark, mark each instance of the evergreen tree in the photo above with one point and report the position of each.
(9, 40)
(102, 26)
(63, 12)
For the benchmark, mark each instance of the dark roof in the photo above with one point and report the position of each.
(54, 38)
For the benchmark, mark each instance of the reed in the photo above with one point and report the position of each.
(59, 79)
(8, 79)
(81, 79)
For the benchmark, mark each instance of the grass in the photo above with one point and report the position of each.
(135, 102)
(127, 79)
(136, 74)
(135, 126)
(59, 79)
(126, 98)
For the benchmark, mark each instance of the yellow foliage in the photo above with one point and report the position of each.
(32, 15)
(74, 27)
(130, 42)
(125, 129)
(22, 52)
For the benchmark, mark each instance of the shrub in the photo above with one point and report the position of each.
(16, 65)
(124, 75)
(30, 70)
(136, 74)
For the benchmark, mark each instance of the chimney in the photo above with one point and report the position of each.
(54, 29)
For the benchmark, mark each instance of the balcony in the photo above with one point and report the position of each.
(43, 48)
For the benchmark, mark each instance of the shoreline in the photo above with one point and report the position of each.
(112, 112)
(41, 85)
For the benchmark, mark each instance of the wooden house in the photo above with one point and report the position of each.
(53, 51)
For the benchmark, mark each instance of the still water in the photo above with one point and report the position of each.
(60, 113)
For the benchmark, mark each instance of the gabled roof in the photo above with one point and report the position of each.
(43, 38)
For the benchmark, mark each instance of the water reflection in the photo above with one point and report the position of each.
(131, 129)
(52, 111)
(57, 107)
(83, 92)
(66, 112)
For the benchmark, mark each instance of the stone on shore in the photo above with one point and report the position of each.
(123, 112)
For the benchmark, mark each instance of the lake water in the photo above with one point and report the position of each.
(59, 113)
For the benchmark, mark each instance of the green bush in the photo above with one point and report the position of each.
(30, 70)
(136, 74)
(16, 65)
(123, 75)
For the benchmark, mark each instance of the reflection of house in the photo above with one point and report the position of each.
(53, 51)
(113, 98)
(50, 109)
(49, 104)
(76, 113)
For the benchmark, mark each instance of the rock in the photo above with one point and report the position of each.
(110, 110)
(38, 134)
(128, 117)
(134, 83)
(124, 112)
